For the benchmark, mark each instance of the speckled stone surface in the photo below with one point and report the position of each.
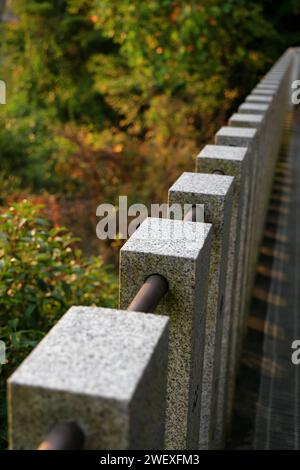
(232, 161)
(105, 369)
(157, 246)
(268, 144)
(215, 192)
(212, 156)
(275, 75)
(235, 136)
(270, 80)
(259, 99)
(265, 83)
(246, 120)
(254, 108)
(267, 150)
(267, 86)
(258, 122)
(246, 137)
(264, 91)
(264, 143)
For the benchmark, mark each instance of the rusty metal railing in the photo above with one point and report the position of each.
(65, 436)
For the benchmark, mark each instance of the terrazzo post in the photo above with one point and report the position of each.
(273, 121)
(104, 369)
(254, 108)
(215, 193)
(272, 130)
(275, 115)
(244, 137)
(274, 118)
(246, 120)
(272, 110)
(179, 251)
(231, 161)
(267, 86)
(264, 91)
(264, 100)
(280, 74)
(259, 99)
(263, 174)
(270, 81)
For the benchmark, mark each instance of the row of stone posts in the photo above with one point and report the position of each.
(165, 380)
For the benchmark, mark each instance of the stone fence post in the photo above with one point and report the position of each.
(244, 137)
(179, 251)
(104, 369)
(232, 161)
(215, 193)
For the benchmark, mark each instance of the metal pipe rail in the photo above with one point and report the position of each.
(150, 294)
(65, 436)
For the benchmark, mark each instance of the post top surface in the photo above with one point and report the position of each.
(254, 106)
(253, 118)
(172, 238)
(245, 132)
(264, 91)
(224, 152)
(203, 183)
(258, 98)
(93, 351)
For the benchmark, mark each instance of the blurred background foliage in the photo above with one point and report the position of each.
(107, 98)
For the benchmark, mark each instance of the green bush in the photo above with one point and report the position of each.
(42, 274)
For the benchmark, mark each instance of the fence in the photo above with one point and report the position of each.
(132, 379)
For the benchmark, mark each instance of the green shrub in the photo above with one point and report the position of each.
(42, 274)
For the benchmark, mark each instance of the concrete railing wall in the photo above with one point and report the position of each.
(132, 380)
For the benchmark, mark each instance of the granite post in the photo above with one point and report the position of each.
(104, 369)
(245, 137)
(215, 193)
(259, 99)
(231, 161)
(179, 251)
(263, 173)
